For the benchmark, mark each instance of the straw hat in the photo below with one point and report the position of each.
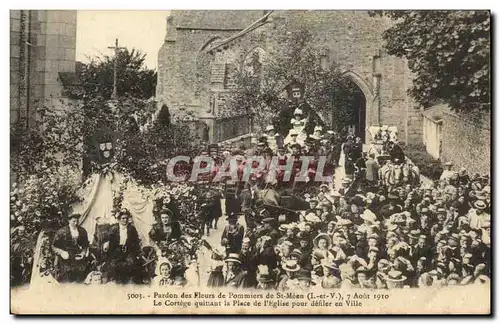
(269, 128)
(322, 236)
(395, 276)
(414, 234)
(343, 222)
(479, 204)
(291, 266)
(369, 216)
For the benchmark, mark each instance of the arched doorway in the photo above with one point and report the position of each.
(351, 103)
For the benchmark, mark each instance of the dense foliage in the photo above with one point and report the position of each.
(449, 53)
(427, 165)
(260, 87)
(133, 78)
(47, 159)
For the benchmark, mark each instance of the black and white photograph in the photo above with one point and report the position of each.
(250, 161)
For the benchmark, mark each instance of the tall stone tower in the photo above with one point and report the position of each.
(42, 53)
(194, 82)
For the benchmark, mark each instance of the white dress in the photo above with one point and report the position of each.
(299, 127)
(342, 156)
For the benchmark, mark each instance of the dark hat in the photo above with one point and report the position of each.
(267, 150)
(296, 145)
(362, 270)
(167, 212)
(264, 278)
(124, 212)
(233, 257)
(74, 215)
(232, 216)
(356, 200)
(303, 236)
(297, 253)
(304, 274)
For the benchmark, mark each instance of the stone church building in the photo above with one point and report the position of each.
(42, 59)
(202, 48)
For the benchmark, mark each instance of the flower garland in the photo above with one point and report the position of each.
(41, 202)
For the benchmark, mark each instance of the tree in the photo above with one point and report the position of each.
(449, 53)
(47, 157)
(259, 87)
(133, 78)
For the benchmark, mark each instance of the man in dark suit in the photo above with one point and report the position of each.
(248, 258)
(247, 204)
(421, 250)
(357, 149)
(209, 210)
(268, 229)
(235, 276)
(217, 208)
(232, 236)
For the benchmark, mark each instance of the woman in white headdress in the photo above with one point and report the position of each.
(163, 274)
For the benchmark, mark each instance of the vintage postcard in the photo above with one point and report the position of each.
(250, 162)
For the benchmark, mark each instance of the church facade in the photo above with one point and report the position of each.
(202, 49)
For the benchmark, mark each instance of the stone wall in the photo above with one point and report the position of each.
(349, 38)
(42, 43)
(466, 141)
(354, 40)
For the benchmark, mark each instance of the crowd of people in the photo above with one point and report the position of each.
(364, 234)
(283, 235)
